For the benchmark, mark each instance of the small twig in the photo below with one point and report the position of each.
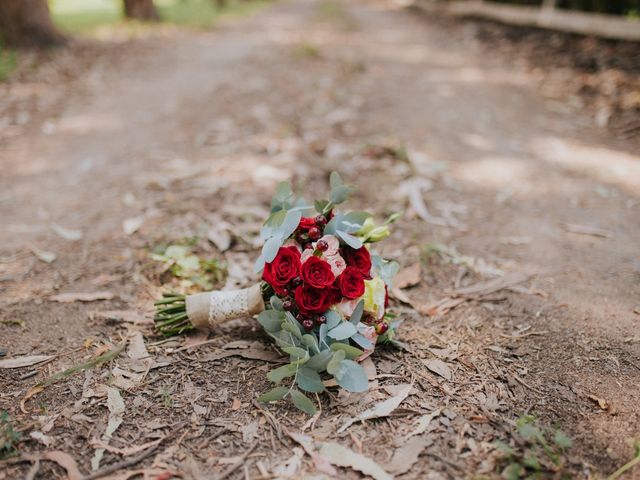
(238, 464)
(627, 466)
(114, 467)
(522, 382)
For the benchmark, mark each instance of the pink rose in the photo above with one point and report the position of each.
(337, 264)
(332, 244)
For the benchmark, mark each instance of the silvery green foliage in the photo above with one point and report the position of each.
(312, 355)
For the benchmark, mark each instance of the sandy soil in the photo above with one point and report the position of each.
(179, 131)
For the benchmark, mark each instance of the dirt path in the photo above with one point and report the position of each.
(192, 127)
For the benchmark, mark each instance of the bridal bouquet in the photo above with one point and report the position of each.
(323, 296)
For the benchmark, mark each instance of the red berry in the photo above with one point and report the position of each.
(307, 323)
(381, 328)
(322, 245)
(315, 233)
(321, 319)
(320, 220)
(287, 305)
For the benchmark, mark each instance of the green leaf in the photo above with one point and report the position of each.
(281, 373)
(335, 180)
(532, 462)
(357, 313)
(562, 440)
(271, 320)
(276, 303)
(339, 194)
(296, 353)
(504, 448)
(319, 361)
(283, 196)
(320, 205)
(271, 247)
(274, 394)
(295, 331)
(309, 380)
(290, 223)
(354, 378)
(342, 331)
(333, 319)
(311, 342)
(356, 219)
(301, 402)
(513, 471)
(334, 364)
(363, 341)
(392, 218)
(349, 239)
(350, 351)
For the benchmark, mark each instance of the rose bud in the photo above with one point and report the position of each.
(315, 233)
(296, 281)
(320, 220)
(307, 323)
(287, 305)
(322, 245)
(321, 319)
(382, 328)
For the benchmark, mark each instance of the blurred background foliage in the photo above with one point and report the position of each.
(85, 16)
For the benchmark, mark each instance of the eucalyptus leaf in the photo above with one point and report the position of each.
(292, 329)
(331, 227)
(274, 394)
(320, 205)
(309, 380)
(357, 313)
(271, 320)
(320, 360)
(276, 303)
(335, 180)
(280, 373)
(339, 194)
(342, 331)
(311, 342)
(322, 336)
(350, 351)
(302, 402)
(334, 364)
(349, 239)
(296, 353)
(354, 378)
(271, 247)
(290, 223)
(363, 341)
(333, 319)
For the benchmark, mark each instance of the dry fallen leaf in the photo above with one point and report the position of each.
(381, 409)
(601, 402)
(321, 463)
(66, 233)
(116, 410)
(250, 353)
(587, 230)
(41, 437)
(423, 423)
(405, 456)
(131, 225)
(345, 457)
(66, 461)
(408, 277)
(82, 297)
(46, 257)
(236, 404)
(27, 361)
(437, 366)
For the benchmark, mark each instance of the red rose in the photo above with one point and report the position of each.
(306, 223)
(284, 268)
(351, 283)
(312, 300)
(359, 259)
(334, 295)
(317, 272)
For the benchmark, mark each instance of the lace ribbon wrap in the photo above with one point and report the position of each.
(206, 310)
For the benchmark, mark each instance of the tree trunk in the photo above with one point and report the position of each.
(140, 10)
(27, 23)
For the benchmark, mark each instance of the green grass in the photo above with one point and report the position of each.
(7, 62)
(87, 16)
